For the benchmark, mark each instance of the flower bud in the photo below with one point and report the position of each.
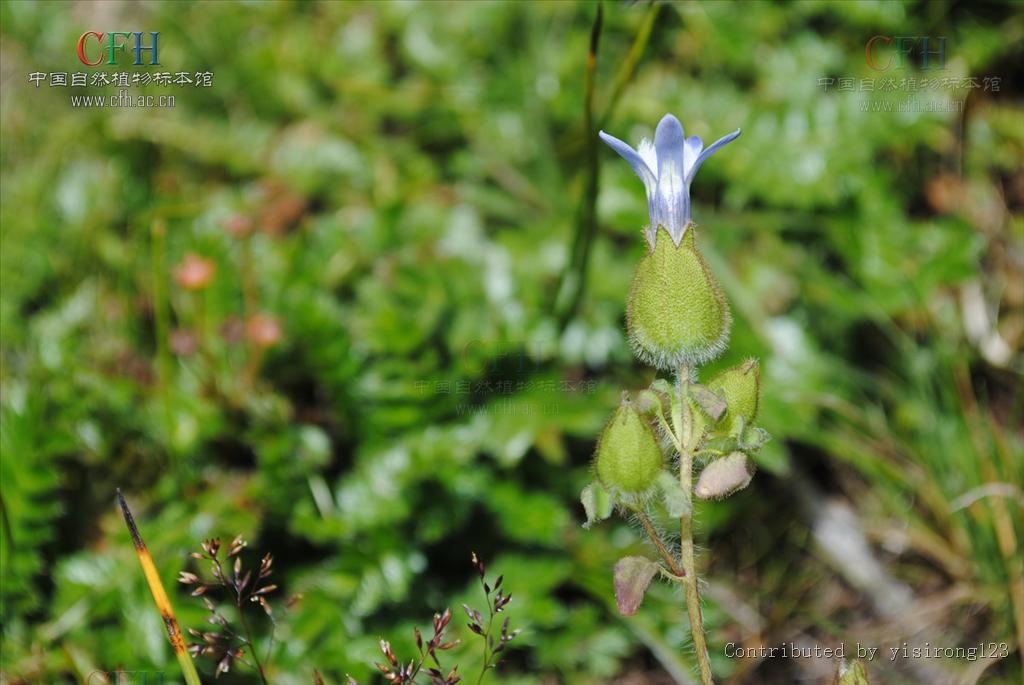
(628, 458)
(263, 330)
(724, 476)
(676, 312)
(195, 272)
(740, 386)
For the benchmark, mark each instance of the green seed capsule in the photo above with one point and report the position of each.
(628, 458)
(676, 312)
(740, 385)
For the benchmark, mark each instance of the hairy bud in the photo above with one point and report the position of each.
(676, 313)
(628, 458)
(724, 476)
(740, 387)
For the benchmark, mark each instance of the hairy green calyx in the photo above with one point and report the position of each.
(676, 312)
(740, 387)
(628, 458)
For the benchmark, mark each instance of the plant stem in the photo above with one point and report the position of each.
(487, 634)
(161, 318)
(693, 608)
(160, 598)
(573, 281)
(692, 591)
(250, 307)
(652, 533)
(487, 658)
(252, 645)
(249, 294)
(628, 66)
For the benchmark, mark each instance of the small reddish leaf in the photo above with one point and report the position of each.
(633, 575)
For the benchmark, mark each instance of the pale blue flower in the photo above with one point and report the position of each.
(667, 168)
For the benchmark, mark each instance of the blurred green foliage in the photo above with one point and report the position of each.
(373, 383)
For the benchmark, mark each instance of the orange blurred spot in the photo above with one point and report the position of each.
(195, 272)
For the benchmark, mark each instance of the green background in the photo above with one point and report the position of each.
(417, 176)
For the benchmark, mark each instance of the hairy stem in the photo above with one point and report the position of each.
(683, 418)
(692, 590)
(652, 533)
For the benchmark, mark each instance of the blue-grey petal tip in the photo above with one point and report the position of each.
(669, 130)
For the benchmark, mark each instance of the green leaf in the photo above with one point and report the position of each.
(660, 385)
(753, 439)
(597, 503)
(633, 576)
(677, 500)
(648, 401)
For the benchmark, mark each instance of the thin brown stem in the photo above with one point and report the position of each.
(252, 645)
(652, 533)
(486, 637)
(250, 298)
(493, 609)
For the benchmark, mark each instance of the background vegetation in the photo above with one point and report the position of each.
(366, 368)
